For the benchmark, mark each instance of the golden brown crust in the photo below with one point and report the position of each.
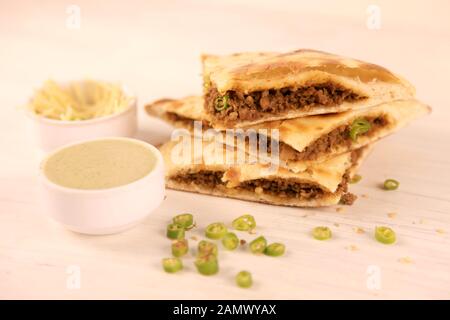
(301, 68)
(328, 176)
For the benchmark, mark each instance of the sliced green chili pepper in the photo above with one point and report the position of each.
(185, 220)
(321, 233)
(385, 235)
(207, 248)
(221, 103)
(230, 241)
(216, 230)
(391, 184)
(356, 178)
(172, 265)
(359, 126)
(244, 223)
(180, 247)
(207, 264)
(175, 231)
(275, 249)
(244, 279)
(258, 245)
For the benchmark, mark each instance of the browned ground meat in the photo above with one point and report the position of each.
(258, 104)
(338, 137)
(284, 188)
(205, 178)
(289, 188)
(348, 199)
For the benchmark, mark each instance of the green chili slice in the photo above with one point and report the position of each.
(172, 265)
(175, 231)
(356, 178)
(230, 241)
(244, 279)
(244, 223)
(391, 184)
(185, 220)
(180, 247)
(207, 248)
(275, 249)
(321, 233)
(359, 126)
(207, 264)
(215, 230)
(221, 103)
(258, 245)
(385, 235)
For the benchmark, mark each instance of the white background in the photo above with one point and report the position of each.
(153, 47)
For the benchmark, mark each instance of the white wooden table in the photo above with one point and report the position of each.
(154, 48)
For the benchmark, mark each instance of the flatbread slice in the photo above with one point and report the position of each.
(249, 88)
(320, 185)
(304, 141)
(179, 113)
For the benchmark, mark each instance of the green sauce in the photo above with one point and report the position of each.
(99, 164)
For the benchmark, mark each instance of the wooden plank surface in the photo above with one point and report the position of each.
(153, 48)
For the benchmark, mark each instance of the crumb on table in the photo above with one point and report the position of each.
(359, 230)
(392, 215)
(405, 260)
(352, 247)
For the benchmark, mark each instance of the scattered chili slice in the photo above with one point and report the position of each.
(321, 233)
(172, 265)
(385, 235)
(207, 264)
(244, 223)
(244, 279)
(230, 241)
(275, 249)
(180, 247)
(391, 184)
(356, 178)
(207, 248)
(185, 220)
(216, 230)
(258, 245)
(359, 126)
(175, 231)
(221, 103)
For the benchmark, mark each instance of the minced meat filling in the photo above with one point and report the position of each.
(325, 144)
(289, 188)
(205, 178)
(284, 188)
(348, 199)
(257, 104)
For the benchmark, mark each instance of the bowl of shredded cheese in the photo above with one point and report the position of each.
(80, 110)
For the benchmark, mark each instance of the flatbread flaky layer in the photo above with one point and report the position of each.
(320, 185)
(271, 86)
(303, 141)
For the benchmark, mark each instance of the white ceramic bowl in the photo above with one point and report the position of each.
(104, 211)
(51, 134)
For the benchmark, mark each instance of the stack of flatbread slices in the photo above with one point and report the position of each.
(286, 129)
